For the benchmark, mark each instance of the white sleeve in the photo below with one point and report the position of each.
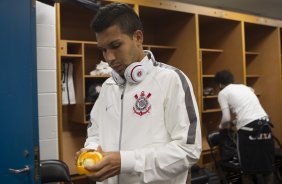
(183, 124)
(92, 140)
(226, 117)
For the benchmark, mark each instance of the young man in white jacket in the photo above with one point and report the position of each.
(255, 142)
(145, 121)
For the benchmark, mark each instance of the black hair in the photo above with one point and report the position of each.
(118, 14)
(224, 77)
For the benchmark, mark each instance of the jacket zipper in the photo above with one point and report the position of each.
(121, 120)
(121, 117)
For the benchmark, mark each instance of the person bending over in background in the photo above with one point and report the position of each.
(255, 142)
(145, 120)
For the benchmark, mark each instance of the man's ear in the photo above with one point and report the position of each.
(138, 37)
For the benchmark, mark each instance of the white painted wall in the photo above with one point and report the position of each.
(47, 86)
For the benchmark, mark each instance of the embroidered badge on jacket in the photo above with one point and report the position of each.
(142, 105)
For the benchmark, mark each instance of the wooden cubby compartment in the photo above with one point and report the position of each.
(161, 53)
(171, 36)
(90, 82)
(74, 48)
(210, 104)
(71, 49)
(221, 48)
(92, 57)
(75, 23)
(74, 55)
(263, 68)
(210, 122)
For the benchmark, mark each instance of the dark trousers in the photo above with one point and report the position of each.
(256, 152)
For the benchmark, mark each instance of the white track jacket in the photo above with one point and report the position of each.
(154, 124)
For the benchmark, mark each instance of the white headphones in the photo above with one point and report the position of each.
(135, 72)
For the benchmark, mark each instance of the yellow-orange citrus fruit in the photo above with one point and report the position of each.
(87, 158)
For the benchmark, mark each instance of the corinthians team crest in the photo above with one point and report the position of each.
(142, 105)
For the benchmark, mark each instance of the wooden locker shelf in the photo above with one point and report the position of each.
(89, 103)
(212, 110)
(205, 50)
(211, 96)
(252, 53)
(252, 76)
(149, 47)
(208, 76)
(72, 56)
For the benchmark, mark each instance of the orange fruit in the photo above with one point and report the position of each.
(87, 158)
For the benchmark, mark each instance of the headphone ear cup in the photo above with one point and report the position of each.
(117, 78)
(135, 73)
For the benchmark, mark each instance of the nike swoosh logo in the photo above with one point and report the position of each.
(108, 107)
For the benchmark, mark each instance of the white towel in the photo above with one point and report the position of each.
(68, 93)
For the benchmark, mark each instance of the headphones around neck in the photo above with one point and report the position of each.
(135, 72)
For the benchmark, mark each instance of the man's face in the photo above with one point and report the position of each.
(119, 49)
